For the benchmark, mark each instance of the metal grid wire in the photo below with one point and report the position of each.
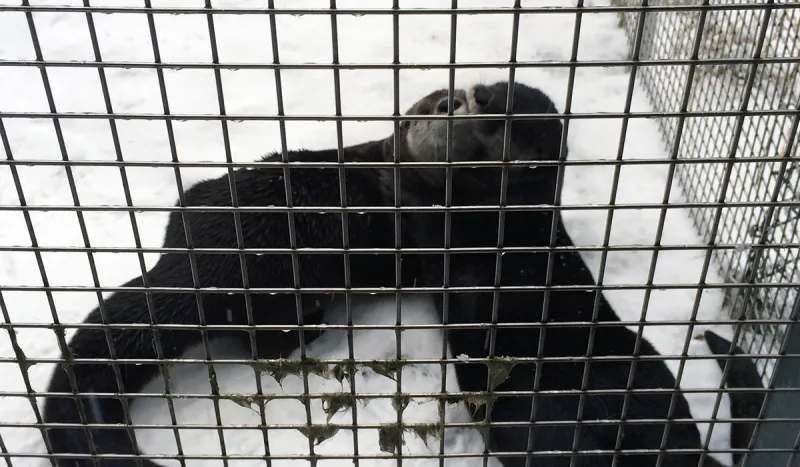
(709, 38)
(698, 59)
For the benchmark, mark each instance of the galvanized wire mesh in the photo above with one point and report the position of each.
(723, 46)
(746, 207)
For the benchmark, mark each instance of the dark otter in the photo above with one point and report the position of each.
(561, 321)
(417, 141)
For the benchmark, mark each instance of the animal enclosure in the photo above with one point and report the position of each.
(677, 181)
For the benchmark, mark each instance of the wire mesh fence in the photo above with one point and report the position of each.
(410, 298)
(723, 44)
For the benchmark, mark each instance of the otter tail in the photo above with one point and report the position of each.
(75, 439)
(86, 409)
(742, 374)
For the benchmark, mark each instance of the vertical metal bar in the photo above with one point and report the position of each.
(448, 202)
(290, 215)
(397, 217)
(337, 94)
(501, 223)
(562, 157)
(4, 451)
(21, 362)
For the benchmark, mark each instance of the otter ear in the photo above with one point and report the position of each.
(404, 124)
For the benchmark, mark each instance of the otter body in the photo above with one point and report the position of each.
(481, 140)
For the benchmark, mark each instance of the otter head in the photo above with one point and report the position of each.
(481, 140)
(426, 140)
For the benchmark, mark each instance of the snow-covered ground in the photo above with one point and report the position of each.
(306, 39)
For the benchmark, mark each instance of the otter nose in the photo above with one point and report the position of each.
(482, 95)
(442, 107)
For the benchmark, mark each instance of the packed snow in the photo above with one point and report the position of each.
(307, 39)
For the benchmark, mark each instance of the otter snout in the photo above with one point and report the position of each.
(482, 95)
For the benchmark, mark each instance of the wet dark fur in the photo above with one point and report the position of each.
(542, 138)
(254, 187)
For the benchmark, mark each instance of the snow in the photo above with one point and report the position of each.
(307, 39)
